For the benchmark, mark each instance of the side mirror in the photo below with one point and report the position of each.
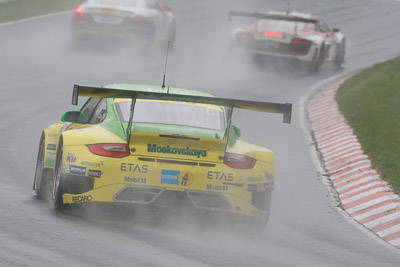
(236, 130)
(165, 8)
(335, 30)
(70, 116)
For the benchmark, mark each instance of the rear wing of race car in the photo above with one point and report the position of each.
(270, 16)
(101, 92)
(230, 104)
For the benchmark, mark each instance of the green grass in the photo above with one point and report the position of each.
(370, 101)
(20, 9)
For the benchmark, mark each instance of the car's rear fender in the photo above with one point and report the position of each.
(51, 137)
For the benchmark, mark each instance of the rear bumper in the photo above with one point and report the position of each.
(286, 53)
(167, 197)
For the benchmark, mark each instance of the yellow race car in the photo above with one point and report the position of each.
(145, 144)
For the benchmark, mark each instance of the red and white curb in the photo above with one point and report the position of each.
(363, 194)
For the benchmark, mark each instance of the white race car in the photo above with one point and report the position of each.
(144, 20)
(289, 35)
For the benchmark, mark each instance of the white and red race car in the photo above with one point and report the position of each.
(289, 35)
(144, 20)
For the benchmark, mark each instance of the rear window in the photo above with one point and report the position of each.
(173, 113)
(281, 25)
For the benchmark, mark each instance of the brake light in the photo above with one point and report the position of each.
(79, 10)
(273, 34)
(237, 161)
(110, 150)
(300, 41)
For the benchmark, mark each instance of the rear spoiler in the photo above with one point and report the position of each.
(270, 16)
(101, 92)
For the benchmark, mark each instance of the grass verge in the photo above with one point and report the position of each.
(20, 9)
(370, 101)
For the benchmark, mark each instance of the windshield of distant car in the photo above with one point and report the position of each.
(117, 2)
(173, 113)
(280, 25)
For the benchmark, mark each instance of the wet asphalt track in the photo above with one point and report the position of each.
(37, 70)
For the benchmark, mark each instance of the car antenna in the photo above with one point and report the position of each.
(165, 68)
(288, 8)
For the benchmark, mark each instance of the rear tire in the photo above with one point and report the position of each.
(315, 67)
(58, 188)
(42, 181)
(340, 54)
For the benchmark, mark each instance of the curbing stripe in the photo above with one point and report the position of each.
(343, 153)
(373, 205)
(363, 193)
(351, 164)
(361, 187)
(367, 175)
(391, 237)
(342, 162)
(386, 227)
(368, 199)
(385, 219)
(379, 215)
(395, 242)
(389, 231)
(368, 214)
(355, 154)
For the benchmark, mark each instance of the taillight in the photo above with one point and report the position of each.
(237, 161)
(110, 150)
(300, 41)
(79, 10)
(273, 34)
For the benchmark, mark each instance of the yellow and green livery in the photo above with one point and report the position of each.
(145, 144)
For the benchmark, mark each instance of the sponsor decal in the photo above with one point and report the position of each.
(268, 186)
(211, 175)
(94, 173)
(217, 187)
(51, 155)
(50, 159)
(170, 177)
(131, 167)
(254, 179)
(135, 180)
(252, 187)
(186, 178)
(268, 175)
(233, 184)
(52, 136)
(93, 164)
(76, 170)
(153, 148)
(81, 199)
(51, 147)
(70, 158)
